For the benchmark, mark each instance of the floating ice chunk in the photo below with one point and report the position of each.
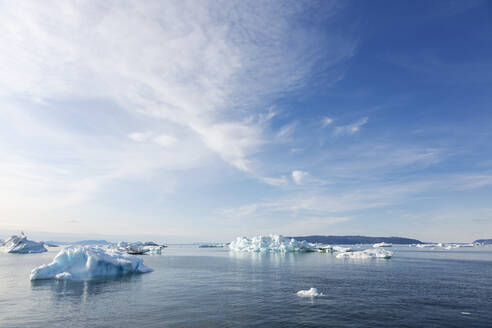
(270, 243)
(342, 249)
(465, 245)
(366, 254)
(85, 262)
(312, 292)
(425, 245)
(20, 244)
(153, 249)
(139, 248)
(136, 250)
(325, 249)
(383, 244)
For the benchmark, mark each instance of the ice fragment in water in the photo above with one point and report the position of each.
(312, 292)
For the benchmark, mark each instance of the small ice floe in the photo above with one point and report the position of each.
(85, 262)
(139, 248)
(342, 249)
(465, 245)
(136, 250)
(312, 292)
(20, 244)
(211, 246)
(425, 245)
(270, 243)
(325, 249)
(382, 244)
(377, 253)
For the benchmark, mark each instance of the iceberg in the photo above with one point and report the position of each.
(312, 292)
(86, 262)
(342, 249)
(270, 243)
(20, 244)
(325, 249)
(426, 245)
(139, 248)
(366, 254)
(383, 244)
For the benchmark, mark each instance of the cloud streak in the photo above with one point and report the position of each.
(350, 129)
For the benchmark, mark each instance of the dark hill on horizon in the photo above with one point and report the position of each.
(483, 241)
(352, 240)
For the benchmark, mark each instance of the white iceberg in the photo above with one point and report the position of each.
(325, 249)
(312, 292)
(20, 244)
(383, 244)
(153, 249)
(342, 249)
(270, 243)
(139, 248)
(85, 262)
(366, 254)
(426, 245)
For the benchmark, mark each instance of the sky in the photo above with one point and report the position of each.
(208, 120)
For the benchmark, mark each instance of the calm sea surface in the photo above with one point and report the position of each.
(196, 287)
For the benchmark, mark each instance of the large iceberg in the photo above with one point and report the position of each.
(85, 262)
(366, 254)
(270, 243)
(20, 244)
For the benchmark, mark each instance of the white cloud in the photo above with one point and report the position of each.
(140, 136)
(299, 176)
(287, 130)
(275, 181)
(326, 121)
(165, 140)
(93, 93)
(350, 128)
(187, 63)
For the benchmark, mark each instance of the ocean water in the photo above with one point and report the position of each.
(196, 287)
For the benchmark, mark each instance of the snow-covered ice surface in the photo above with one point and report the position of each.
(20, 244)
(366, 254)
(85, 262)
(270, 243)
(312, 292)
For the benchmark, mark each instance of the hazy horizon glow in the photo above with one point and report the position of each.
(186, 120)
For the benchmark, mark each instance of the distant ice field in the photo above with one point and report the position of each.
(215, 287)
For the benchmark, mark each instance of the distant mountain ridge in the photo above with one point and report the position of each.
(352, 240)
(483, 241)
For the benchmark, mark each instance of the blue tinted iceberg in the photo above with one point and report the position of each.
(84, 262)
(377, 253)
(270, 243)
(20, 244)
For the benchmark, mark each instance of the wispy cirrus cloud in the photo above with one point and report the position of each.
(159, 86)
(350, 129)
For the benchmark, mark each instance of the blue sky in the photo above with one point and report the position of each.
(182, 121)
